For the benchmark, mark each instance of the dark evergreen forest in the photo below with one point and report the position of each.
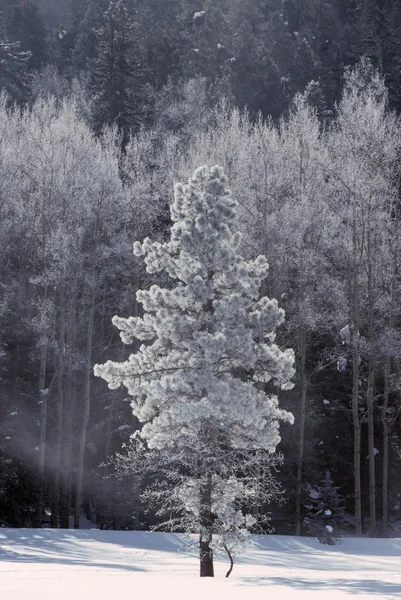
(104, 107)
(257, 54)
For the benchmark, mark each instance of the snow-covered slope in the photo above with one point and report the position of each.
(106, 565)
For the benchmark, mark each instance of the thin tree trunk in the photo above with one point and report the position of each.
(21, 289)
(357, 442)
(56, 458)
(109, 431)
(110, 414)
(385, 447)
(301, 432)
(398, 390)
(371, 446)
(355, 383)
(68, 410)
(371, 384)
(43, 394)
(86, 411)
(66, 457)
(230, 559)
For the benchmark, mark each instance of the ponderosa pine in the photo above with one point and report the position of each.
(203, 381)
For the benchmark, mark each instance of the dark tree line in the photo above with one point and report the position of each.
(257, 53)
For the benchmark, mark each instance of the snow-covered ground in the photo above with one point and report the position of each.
(111, 565)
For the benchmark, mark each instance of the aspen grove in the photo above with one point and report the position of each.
(318, 195)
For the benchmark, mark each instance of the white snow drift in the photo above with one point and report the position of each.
(103, 565)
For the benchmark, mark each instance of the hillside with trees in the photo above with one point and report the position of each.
(105, 107)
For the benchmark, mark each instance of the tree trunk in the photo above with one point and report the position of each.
(206, 558)
(86, 411)
(206, 521)
(371, 445)
(56, 458)
(355, 383)
(206, 516)
(43, 394)
(357, 442)
(371, 381)
(385, 447)
(230, 559)
(66, 457)
(357, 447)
(68, 410)
(301, 433)
(109, 431)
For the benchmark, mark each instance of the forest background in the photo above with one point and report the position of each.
(105, 106)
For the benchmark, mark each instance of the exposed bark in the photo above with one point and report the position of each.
(206, 516)
(301, 431)
(86, 411)
(371, 446)
(231, 561)
(385, 446)
(206, 558)
(303, 156)
(68, 410)
(398, 390)
(56, 458)
(206, 521)
(109, 430)
(371, 382)
(43, 393)
(355, 384)
(357, 442)
(42, 439)
(65, 463)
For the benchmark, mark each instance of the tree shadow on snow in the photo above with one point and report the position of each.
(62, 549)
(384, 589)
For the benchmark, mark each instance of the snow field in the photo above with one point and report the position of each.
(106, 565)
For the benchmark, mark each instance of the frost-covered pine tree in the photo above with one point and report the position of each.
(203, 380)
